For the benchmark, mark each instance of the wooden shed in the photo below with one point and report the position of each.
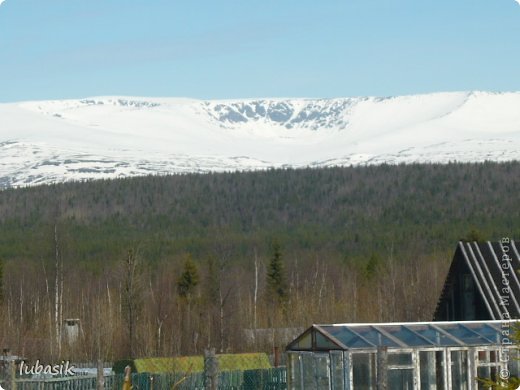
(482, 283)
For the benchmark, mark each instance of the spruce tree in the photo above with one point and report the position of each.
(186, 284)
(188, 280)
(276, 279)
(373, 266)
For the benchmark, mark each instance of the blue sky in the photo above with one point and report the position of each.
(235, 49)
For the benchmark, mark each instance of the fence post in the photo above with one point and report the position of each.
(100, 376)
(12, 374)
(276, 356)
(382, 368)
(210, 370)
(127, 384)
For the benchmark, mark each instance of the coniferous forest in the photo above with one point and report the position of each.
(162, 266)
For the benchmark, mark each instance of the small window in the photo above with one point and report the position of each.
(488, 356)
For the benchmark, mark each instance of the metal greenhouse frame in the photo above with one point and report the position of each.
(402, 356)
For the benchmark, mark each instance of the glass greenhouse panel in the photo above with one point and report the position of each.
(487, 331)
(437, 338)
(513, 362)
(375, 337)
(305, 342)
(399, 359)
(489, 373)
(308, 369)
(466, 335)
(459, 370)
(401, 379)
(322, 372)
(347, 337)
(337, 370)
(294, 370)
(440, 368)
(407, 336)
(364, 371)
(432, 370)
(323, 343)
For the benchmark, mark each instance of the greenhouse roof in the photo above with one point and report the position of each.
(402, 335)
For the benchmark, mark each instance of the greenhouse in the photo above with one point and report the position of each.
(402, 356)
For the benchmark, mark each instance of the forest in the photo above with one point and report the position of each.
(170, 265)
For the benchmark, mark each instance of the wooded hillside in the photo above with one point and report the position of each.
(169, 263)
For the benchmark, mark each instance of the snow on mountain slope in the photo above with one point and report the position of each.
(107, 137)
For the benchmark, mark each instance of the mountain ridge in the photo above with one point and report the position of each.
(117, 136)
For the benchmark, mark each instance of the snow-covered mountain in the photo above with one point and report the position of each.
(108, 137)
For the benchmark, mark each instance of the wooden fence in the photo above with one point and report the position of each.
(271, 379)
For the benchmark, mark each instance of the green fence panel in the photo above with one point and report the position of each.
(271, 379)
